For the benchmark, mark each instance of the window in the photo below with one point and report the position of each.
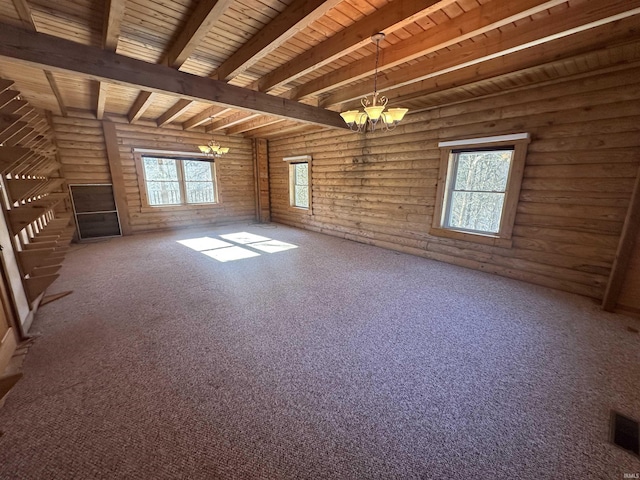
(169, 181)
(299, 185)
(299, 188)
(478, 188)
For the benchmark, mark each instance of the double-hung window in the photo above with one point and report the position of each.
(299, 184)
(478, 188)
(167, 181)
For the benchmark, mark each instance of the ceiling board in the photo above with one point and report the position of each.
(151, 27)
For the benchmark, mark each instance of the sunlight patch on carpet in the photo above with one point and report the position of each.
(229, 254)
(245, 246)
(244, 238)
(272, 246)
(204, 243)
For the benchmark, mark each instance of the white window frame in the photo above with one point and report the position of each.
(518, 142)
(293, 161)
(179, 157)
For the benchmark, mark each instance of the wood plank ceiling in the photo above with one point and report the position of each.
(315, 55)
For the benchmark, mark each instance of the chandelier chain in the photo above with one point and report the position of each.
(375, 75)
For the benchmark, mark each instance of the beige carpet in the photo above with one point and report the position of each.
(312, 357)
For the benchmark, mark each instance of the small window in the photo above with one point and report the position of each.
(299, 184)
(173, 181)
(478, 187)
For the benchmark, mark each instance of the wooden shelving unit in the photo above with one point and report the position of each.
(35, 202)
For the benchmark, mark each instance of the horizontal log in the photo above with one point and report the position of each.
(569, 223)
(576, 250)
(615, 214)
(603, 170)
(559, 235)
(608, 199)
(620, 185)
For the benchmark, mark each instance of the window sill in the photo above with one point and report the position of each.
(178, 208)
(485, 239)
(303, 211)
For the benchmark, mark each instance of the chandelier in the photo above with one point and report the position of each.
(374, 115)
(213, 148)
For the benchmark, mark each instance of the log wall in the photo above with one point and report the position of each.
(580, 170)
(81, 147)
(84, 157)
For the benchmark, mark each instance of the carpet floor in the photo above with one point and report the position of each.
(267, 352)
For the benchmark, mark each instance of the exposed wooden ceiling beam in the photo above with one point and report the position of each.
(583, 17)
(246, 126)
(230, 121)
(142, 102)
(205, 15)
(551, 55)
(269, 129)
(24, 12)
(280, 129)
(297, 16)
(56, 92)
(111, 26)
(113, 15)
(174, 112)
(202, 117)
(102, 99)
(478, 21)
(388, 18)
(63, 55)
